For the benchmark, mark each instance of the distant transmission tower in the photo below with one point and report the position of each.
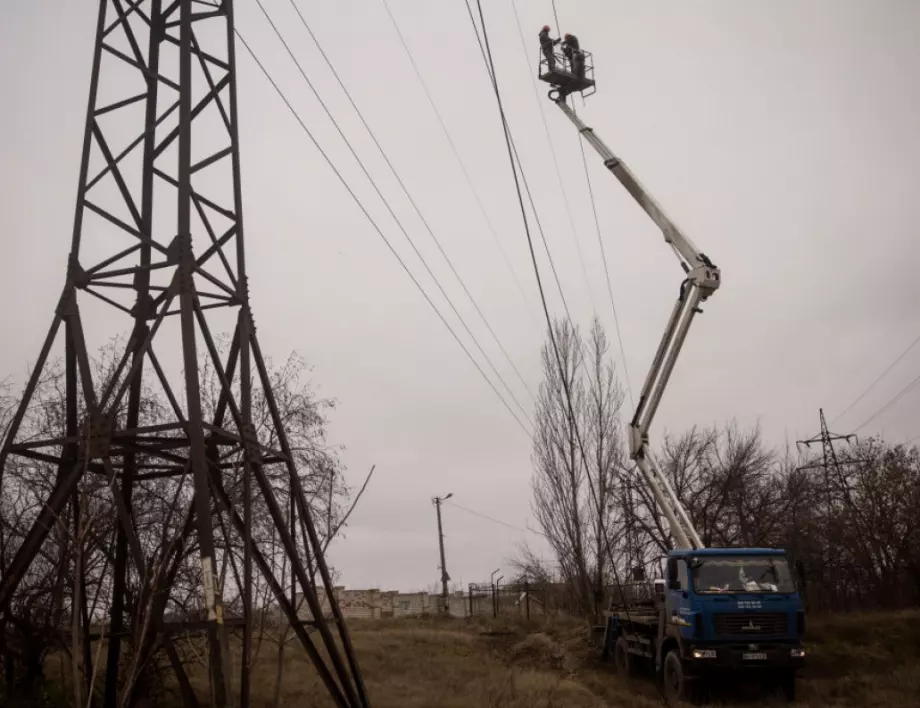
(829, 462)
(158, 242)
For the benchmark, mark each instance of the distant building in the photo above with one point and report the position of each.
(376, 604)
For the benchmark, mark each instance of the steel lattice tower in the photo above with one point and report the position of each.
(158, 241)
(829, 460)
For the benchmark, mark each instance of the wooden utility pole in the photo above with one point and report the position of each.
(445, 597)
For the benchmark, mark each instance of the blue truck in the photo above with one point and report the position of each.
(719, 611)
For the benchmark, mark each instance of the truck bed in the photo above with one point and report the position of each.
(639, 624)
(636, 618)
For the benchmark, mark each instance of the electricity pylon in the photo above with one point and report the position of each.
(158, 240)
(829, 461)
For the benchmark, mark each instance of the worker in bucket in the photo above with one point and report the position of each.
(572, 51)
(547, 44)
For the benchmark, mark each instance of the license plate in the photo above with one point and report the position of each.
(754, 656)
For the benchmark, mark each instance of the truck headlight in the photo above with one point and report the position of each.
(797, 653)
(704, 653)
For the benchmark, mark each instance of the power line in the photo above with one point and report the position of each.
(562, 191)
(495, 521)
(511, 153)
(565, 196)
(568, 393)
(516, 165)
(520, 167)
(391, 212)
(903, 392)
(377, 228)
(520, 196)
(516, 160)
(600, 242)
(514, 170)
(552, 149)
(507, 128)
(456, 152)
(880, 377)
(410, 198)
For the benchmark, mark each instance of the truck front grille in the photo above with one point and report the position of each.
(751, 625)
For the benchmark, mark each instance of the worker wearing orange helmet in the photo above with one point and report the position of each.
(546, 44)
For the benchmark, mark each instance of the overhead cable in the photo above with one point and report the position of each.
(565, 196)
(549, 140)
(533, 257)
(456, 152)
(880, 377)
(562, 190)
(516, 160)
(392, 213)
(600, 242)
(568, 393)
(897, 397)
(495, 521)
(412, 201)
(377, 228)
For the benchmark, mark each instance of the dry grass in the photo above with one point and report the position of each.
(855, 660)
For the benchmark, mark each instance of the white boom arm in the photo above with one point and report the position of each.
(702, 280)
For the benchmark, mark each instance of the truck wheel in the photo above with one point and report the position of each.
(676, 684)
(787, 684)
(621, 657)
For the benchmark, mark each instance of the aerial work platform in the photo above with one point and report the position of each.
(567, 76)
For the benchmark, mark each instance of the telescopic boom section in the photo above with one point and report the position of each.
(702, 280)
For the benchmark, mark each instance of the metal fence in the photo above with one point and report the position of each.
(523, 599)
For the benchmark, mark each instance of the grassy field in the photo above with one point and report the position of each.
(855, 660)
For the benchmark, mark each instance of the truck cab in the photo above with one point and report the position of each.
(726, 610)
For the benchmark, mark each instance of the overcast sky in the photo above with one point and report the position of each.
(780, 135)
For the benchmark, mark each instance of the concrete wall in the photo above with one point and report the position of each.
(374, 604)
(408, 604)
(354, 604)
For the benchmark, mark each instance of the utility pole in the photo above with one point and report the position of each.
(494, 594)
(445, 597)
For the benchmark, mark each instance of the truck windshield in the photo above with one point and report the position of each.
(740, 573)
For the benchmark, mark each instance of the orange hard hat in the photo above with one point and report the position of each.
(546, 28)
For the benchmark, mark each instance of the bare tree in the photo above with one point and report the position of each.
(604, 443)
(578, 458)
(853, 530)
(73, 572)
